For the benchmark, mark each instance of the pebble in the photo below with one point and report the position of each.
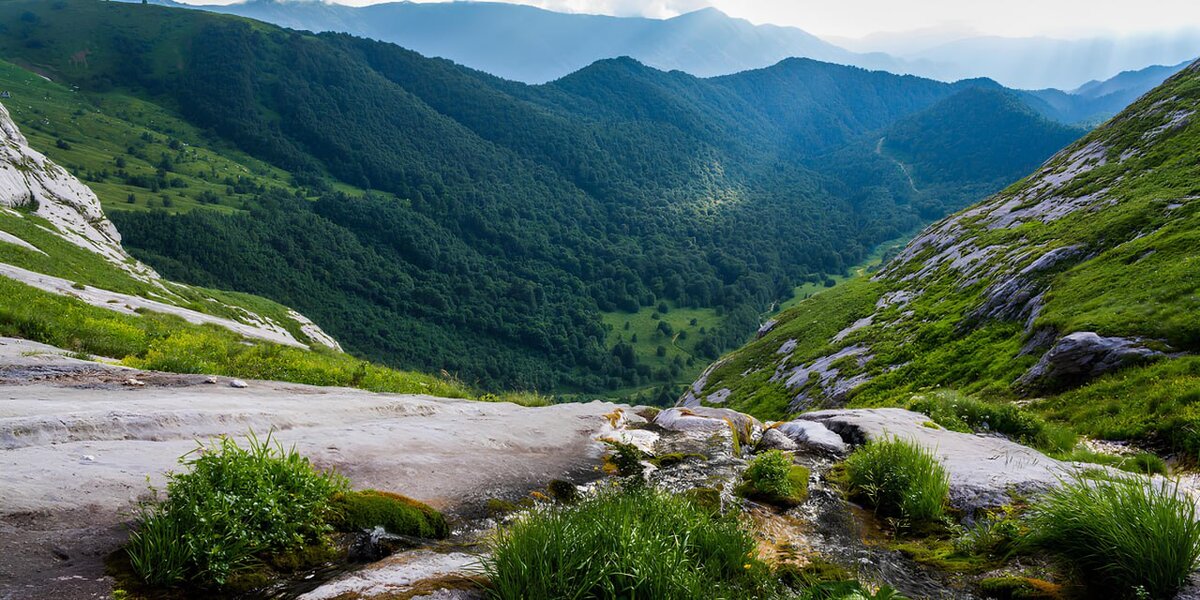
(238, 383)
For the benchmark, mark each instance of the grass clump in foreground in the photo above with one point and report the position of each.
(774, 479)
(1126, 536)
(626, 543)
(234, 507)
(900, 480)
(395, 513)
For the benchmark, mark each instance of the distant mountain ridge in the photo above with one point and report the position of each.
(532, 45)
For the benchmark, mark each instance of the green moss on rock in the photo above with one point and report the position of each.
(397, 514)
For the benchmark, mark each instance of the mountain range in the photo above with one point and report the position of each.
(533, 45)
(440, 218)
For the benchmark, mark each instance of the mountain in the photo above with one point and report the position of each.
(1097, 101)
(439, 218)
(1073, 291)
(533, 45)
(1032, 62)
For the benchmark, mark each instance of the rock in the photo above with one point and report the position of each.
(135, 382)
(60, 553)
(700, 418)
(402, 574)
(642, 439)
(1018, 298)
(766, 328)
(370, 546)
(238, 383)
(773, 439)
(210, 380)
(811, 434)
(89, 458)
(983, 470)
(1081, 356)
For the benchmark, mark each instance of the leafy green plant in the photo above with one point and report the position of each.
(232, 505)
(395, 513)
(1122, 534)
(899, 479)
(625, 543)
(773, 478)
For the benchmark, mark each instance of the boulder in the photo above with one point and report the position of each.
(699, 418)
(813, 435)
(774, 439)
(1081, 356)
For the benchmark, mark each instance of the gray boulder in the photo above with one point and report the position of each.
(699, 418)
(1081, 356)
(774, 439)
(813, 435)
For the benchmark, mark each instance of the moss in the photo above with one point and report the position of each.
(395, 513)
(773, 479)
(936, 549)
(563, 491)
(303, 557)
(674, 458)
(815, 572)
(1020, 588)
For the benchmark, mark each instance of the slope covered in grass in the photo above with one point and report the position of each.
(994, 300)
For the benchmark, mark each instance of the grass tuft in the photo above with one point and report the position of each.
(1126, 536)
(626, 543)
(899, 479)
(772, 478)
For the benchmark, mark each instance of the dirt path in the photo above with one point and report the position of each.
(903, 167)
(78, 447)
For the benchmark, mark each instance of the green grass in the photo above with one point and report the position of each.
(168, 343)
(873, 261)
(957, 412)
(774, 479)
(231, 507)
(899, 479)
(1125, 537)
(634, 543)
(397, 514)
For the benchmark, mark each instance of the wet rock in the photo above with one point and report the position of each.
(377, 543)
(774, 439)
(813, 435)
(700, 418)
(1081, 356)
(400, 575)
(983, 470)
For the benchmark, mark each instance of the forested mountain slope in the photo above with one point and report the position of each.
(1077, 286)
(504, 220)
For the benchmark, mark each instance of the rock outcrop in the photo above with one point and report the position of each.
(1082, 356)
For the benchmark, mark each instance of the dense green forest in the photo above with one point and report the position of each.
(506, 220)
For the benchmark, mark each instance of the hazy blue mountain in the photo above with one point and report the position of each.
(1036, 62)
(532, 45)
(1096, 101)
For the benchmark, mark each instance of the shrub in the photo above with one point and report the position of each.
(899, 479)
(961, 413)
(397, 514)
(625, 543)
(1126, 536)
(232, 505)
(772, 478)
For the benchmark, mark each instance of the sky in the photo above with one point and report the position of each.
(858, 18)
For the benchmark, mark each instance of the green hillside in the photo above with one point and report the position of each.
(505, 224)
(1102, 239)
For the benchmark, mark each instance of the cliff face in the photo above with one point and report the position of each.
(53, 205)
(1088, 266)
